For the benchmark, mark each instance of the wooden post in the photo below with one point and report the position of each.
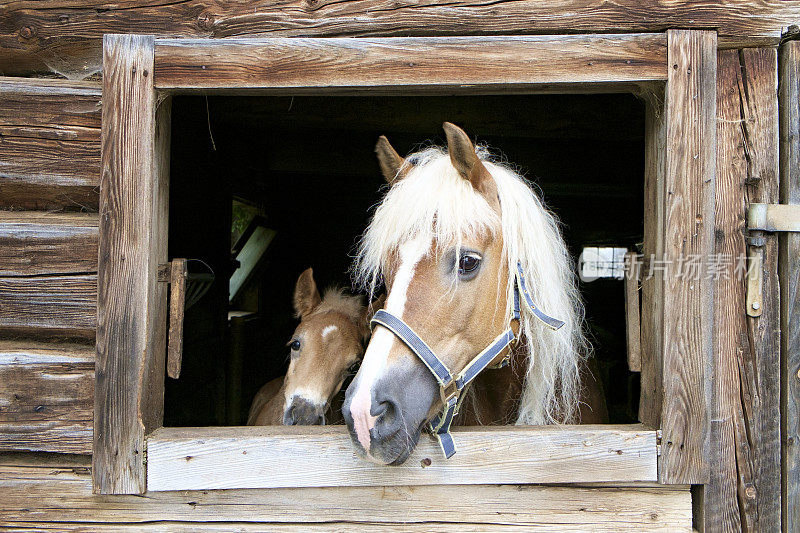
(177, 306)
(743, 491)
(652, 334)
(131, 303)
(690, 110)
(789, 275)
(632, 321)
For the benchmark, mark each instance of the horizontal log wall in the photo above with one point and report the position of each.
(50, 149)
(45, 494)
(49, 160)
(65, 36)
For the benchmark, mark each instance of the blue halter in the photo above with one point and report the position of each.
(452, 387)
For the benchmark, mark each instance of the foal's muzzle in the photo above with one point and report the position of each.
(302, 412)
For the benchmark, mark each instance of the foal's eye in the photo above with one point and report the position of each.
(294, 345)
(354, 367)
(468, 263)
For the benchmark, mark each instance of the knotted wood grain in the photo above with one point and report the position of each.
(65, 36)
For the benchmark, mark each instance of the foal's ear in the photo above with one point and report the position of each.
(466, 161)
(306, 295)
(393, 167)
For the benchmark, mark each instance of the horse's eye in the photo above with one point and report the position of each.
(295, 345)
(354, 367)
(468, 263)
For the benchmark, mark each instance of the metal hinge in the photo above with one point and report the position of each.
(762, 218)
(773, 217)
(658, 442)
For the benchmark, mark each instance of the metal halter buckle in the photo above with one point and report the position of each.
(449, 392)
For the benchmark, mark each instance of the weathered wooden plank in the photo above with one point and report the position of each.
(64, 36)
(652, 335)
(760, 369)
(256, 457)
(177, 304)
(50, 149)
(729, 450)
(408, 61)
(789, 284)
(689, 232)
(25, 352)
(45, 492)
(131, 302)
(46, 407)
(633, 329)
(66, 305)
(47, 243)
(47, 487)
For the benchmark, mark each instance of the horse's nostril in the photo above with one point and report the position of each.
(381, 409)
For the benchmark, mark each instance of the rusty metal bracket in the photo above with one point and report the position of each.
(761, 218)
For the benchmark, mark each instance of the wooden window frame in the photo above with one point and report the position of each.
(133, 453)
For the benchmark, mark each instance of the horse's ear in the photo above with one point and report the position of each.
(465, 160)
(306, 295)
(393, 167)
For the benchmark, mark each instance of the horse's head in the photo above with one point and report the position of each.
(326, 347)
(447, 279)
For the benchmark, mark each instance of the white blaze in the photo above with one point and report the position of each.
(374, 363)
(328, 330)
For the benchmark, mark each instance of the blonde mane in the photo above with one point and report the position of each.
(433, 202)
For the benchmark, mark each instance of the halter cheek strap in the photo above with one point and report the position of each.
(452, 387)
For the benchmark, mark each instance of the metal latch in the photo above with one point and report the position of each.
(186, 288)
(762, 218)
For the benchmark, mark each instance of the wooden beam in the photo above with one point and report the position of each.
(760, 369)
(50, 149)
(633, 331)
(62, 305)
(47, 243)
(436, 62)
(177, 304)
(65, 37)
(258, 457)
(46, 407)
(133, 230)
(651, 380)
(789, 285)
(36, 353)
(61, 493)
(688, 318)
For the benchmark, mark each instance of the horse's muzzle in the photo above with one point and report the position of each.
(302, 412)
(399, 405)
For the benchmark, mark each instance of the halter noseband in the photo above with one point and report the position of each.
(452, 387)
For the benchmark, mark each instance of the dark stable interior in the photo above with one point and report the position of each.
(306, 165)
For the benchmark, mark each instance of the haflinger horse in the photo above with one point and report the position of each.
(471, 261)
(325, 349)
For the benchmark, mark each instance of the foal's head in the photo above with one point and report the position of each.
(446, 240)
(326, 347)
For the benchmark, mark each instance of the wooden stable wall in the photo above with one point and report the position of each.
(49, 174)
(48, 227)
(49, 198)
